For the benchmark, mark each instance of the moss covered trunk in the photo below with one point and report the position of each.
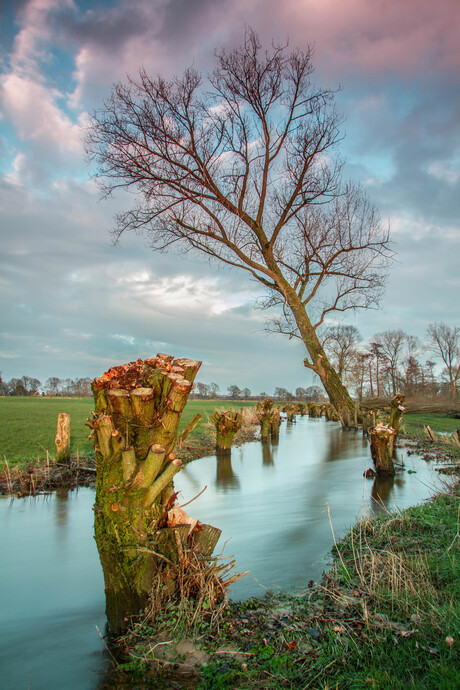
(268, 417)
(227, 424)
(317, 359)
(137, 412)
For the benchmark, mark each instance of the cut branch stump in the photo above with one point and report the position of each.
(62, 440)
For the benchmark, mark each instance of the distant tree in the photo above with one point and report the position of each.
(375, 370)
(213, 390)
(244, 169)
(430, 376)
(300, 393)
(392, 344)
(413, 375)
(246, 393)
(283, 394)
(3, 386)
(16, 387)
(53, 386)
(340, 342)
(444, 341)
(234, 392)
(82, 387)
(313, 393)
(202, 389)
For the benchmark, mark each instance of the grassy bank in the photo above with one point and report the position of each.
(415, 424)
(28, 425)
(387, 615)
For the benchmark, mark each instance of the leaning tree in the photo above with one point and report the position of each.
(243, 167)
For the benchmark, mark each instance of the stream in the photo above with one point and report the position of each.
(275, 505)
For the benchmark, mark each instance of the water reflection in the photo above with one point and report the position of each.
(274, 502)
(276, 513)
(226, 479)
(52, 593)
(267, 453)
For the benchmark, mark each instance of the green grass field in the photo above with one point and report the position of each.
(28, 425)
(415, 423)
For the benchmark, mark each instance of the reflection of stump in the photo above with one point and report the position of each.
(225, 476)
(227, 424)
(382, 440)
(267, 454)
(62, 440)
(140, 535)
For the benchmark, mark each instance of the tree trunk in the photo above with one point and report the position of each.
(397, 410)
(227, 424)
(137, 412)
(318, 361)
(62, 440)
(381, 441)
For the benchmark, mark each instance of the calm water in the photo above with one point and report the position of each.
(270, 502)
(51, 594)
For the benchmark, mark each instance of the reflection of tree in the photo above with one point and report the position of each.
(339, 445)
(381, 492)
(225, 476)
(62, 508)
(267, 454)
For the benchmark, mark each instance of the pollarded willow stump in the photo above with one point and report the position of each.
(227, 424)
(290, 411)
(314, 410)
(381, 443)
(276, 422)
(266, 414)
(140, 534)
(62, 439)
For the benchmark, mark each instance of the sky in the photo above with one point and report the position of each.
(73, 304)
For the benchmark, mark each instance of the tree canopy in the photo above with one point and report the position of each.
(244, 167)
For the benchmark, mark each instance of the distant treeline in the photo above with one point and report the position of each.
(29, 386)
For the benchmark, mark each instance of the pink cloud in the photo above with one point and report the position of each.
(382, 36)
(32, 108)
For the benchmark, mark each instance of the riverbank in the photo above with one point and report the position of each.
(385, 615)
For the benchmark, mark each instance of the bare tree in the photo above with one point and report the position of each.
(444, 341)
(245, 170)
(392, 348)
(234, 392)
(202, 389)
(340, 342)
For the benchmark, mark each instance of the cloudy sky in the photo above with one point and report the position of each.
(72, 304)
